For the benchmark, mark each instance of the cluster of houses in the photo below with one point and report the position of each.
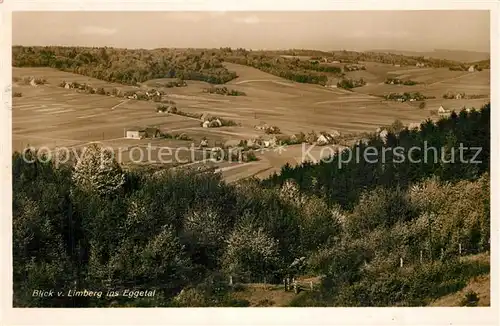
(350, 67)
(325, 138)
(323, 60)
(397, 81)
(32, 81)
(149, 95)
(420, 65)
(412, 97)
(83, 87)
(444, 111)
(172, 109)
(209, 121)
(269, 141)
(268, 129)
(457, 96)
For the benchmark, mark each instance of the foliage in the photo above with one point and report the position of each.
(351, 83)
(223, 91)
(183, 233)
(97, 171)
(251, 253)
(125, 66)
(470, 299)
(397, 81)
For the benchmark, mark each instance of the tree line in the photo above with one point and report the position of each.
(126, 66)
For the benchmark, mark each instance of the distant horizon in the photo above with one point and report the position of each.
(254, 49)
(360, 31)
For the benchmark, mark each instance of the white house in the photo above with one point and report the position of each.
(134, 134)
(443, 111)
(206, 124)
(324, 139)
(33, 83)
(383, 135)
(270, 142)
(472, 68)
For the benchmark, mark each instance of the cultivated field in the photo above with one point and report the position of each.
(48, 115)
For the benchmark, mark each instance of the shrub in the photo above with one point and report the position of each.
(250, 156)
(17, 94)
(471, 299)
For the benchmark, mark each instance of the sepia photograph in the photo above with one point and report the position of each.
(251, 159)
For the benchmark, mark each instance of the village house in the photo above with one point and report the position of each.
(140, 133)
(442, 111)
(383, 135)
(262, 126)
(472, 68)
(68, 85)
(324, 139)
(459, 96)
(270, 142)
(203, 142)
(153, 93)
(32, 82)
(134, 133)
(420, 65)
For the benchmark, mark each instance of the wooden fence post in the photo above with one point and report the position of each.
(311, 284)
(421, 256)
(442, 253)
(231, 280)
(401, 262)
(460, 249)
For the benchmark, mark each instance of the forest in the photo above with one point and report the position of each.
(132, 66)
(96, 226)
(126, 66)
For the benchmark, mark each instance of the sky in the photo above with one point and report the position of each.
(322, 30)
